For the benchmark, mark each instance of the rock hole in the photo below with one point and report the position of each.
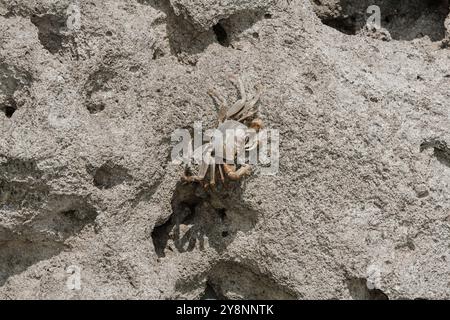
(234, 281)
(222, 212)
(110, 175)
(79, 214)
(99, 81)
(197, 215)
(404, 20)
(134, 69)
(12, 81)
(221, 35)
(95, 108)
(55, 218)
(160, 238)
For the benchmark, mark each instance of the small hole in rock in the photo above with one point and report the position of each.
(359, 290)
(225, 234)
(109, 33)
(210, 293)
(404, 20)
(221, 35)
(268, 16)
(110, 175)
(255, 35)
(134, 68)
(222, 213)
(9, 108)
(9, 111)
(96, 108)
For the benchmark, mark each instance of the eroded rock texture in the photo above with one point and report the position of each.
(360, 208)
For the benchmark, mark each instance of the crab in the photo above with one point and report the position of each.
(239, 117)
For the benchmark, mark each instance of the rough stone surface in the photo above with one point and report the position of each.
(359, 210)
(206, 13)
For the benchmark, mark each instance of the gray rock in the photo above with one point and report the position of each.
(206, 13)
(358, 210)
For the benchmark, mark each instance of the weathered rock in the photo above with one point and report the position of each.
(360, 206)
(206, 13)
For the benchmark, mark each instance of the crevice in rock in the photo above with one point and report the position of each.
(18, 255)
(211, 294)
(28, 239)
(199, 214)
(359, 291)
(110, 175)
(229, 30)
(97, 84)
(180, 232)
(440, 150)
(345, 25)
(185, 38)
(12, 80)
(221, 35)
(404, 20)
(99, 80)
(43, 237)
(9, 107)
(50, 31)
(21, 185)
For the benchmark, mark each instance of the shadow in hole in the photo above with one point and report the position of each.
(440, 150)
(232, 280)
(201, 215)
(404, 19)
(185, 37)
(17, 256)
(443, 156)
(359, 290)
(211, 294)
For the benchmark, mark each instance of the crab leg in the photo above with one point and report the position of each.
(233, 174)
(223, 104)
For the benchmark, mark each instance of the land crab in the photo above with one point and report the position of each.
(240, 117)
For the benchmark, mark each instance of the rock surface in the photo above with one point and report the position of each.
(91, 91)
